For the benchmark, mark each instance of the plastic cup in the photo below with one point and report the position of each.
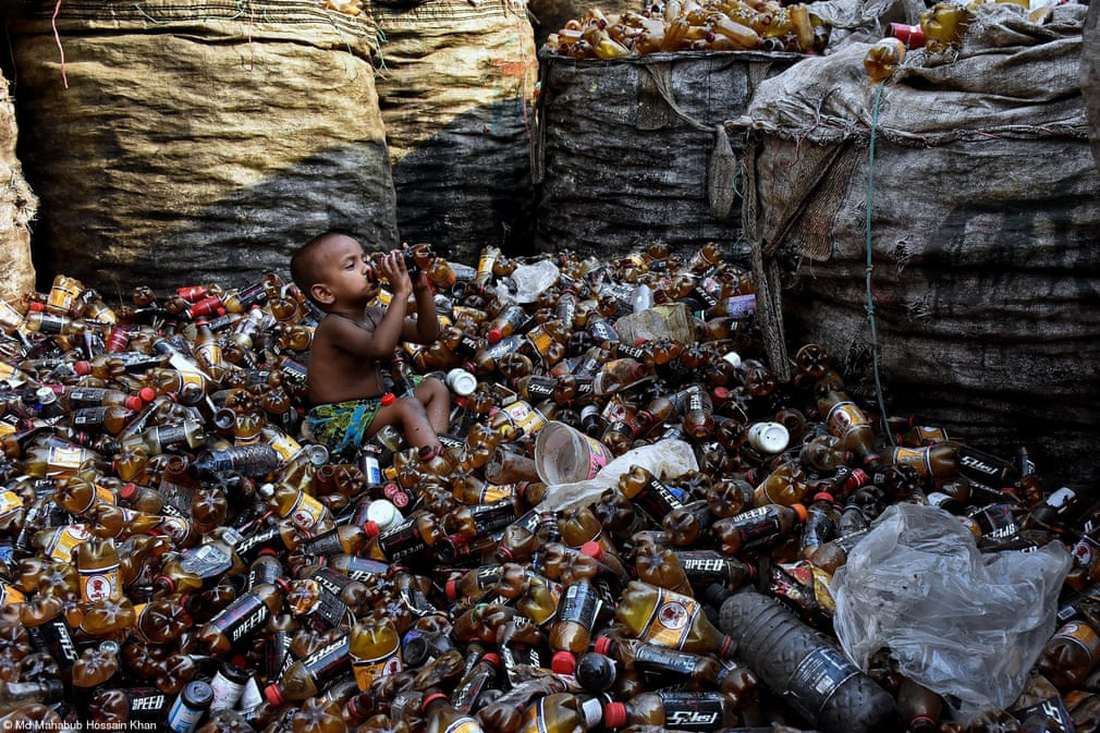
(564, 455)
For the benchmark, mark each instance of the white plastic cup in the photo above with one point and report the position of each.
(564, 455)
(461, 382)
(769, 437)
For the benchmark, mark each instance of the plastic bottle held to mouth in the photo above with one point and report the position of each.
(796, 662)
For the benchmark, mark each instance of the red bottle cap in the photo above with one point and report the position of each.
(372, 529)
(603, 645)
(133, 402)
(858, 478)
(721, 394)
(147, 394)
(266, 551)
(592, 549)
(563, 663)
(492, 658)
(800, 510)
(504, 554)
(36, 307)
(614, 714)
(911, 35)
(495, 335)
(82, 368)
(274, 695)
(823, 496)
(388, 399)
(127, 491)
(430, 698)
(451, 590)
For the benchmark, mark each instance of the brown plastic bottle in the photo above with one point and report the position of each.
(785, 485)
(318, 715)
(728, 497)
(96, 665)
(660, 567)
(161, 621)
(670, 619)
(685, 525)
(675, 710)
(648, 492)
(760, 527)
(375, 650)
(507, 713)
(1070, 654)
(243, 616)
(571, 632)
(844, 418)
(918, 707)
(306, 677)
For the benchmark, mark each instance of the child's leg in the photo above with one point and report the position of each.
(436, 399)
(408, 414)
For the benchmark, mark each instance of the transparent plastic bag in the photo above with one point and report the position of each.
(669, 459)
(966, 625)
(531, 280)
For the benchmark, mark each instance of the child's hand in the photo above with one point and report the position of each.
(393, 268)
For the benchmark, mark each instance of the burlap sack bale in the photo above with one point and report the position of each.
(626, 149)
(456, 87)
(17, 208)
(985, 208)
(184, 143)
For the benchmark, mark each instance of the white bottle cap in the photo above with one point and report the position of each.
(383, 513)
(769, 437)
(461, 382)
(733, 358)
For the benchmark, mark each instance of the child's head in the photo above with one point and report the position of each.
(331, 270)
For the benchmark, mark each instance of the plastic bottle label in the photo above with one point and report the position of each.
(534, 720)
(226, 692)
(818, 676)
(306, 511)
(692, 710)
(670, 621)
(1083, 636)
(63, 460)
(10, 594)
(100, 584)
(368, 670)
(53, 637)
(579, 605)
(703, 567)
(286, 446)
(206, 561)
(61, 298)
(651, 657)
(463, 725)
(740, 306)
(844, 417)
(182, 719)
(327, 662)
(10, 502)
(65, 541)
(240, 617)
(919, 459)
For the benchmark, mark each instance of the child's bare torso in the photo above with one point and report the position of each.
(335, 375)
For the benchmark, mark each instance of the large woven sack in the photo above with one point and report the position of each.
(175, 142)
(17, 209)
(456, 87)
(985, 205)
(1090, 76)
(635, 150)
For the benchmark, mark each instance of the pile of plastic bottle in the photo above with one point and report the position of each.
(633, 524)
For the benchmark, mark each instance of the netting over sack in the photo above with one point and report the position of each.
(17, 208)
(456, 90)
(176, 143)
(985, 205)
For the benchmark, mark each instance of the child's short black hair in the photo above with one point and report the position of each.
(306, 265)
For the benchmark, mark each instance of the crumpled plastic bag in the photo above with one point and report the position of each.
(668, 459)
(965, 625)
(532, 280)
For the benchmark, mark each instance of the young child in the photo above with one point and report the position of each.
(353, 345)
